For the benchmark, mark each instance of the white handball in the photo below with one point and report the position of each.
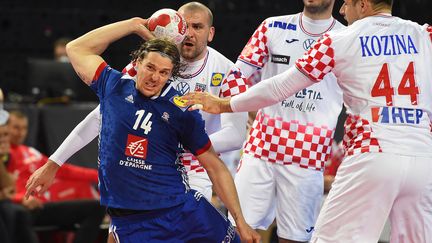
(168, 23)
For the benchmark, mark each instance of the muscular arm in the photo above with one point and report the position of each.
(269, 91)
(232, 133)
(80, 136)
(84, 52)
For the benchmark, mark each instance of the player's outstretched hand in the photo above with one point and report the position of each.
(207, 102)
(247, 234)
(41, 179)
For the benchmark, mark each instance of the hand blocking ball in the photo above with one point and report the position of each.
(168, 23)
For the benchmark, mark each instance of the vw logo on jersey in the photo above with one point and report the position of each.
(308, 43)
(183, 88)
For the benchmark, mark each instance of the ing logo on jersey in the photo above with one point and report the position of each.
(216, 79)
(179, 102)
(396, 115)
(200, 87)
(136, 146)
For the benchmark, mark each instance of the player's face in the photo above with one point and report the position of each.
(350, 10)
(152, 74)
(194, 46)
(18, 128)
(317, 6)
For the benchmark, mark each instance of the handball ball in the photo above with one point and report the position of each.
(168, 23)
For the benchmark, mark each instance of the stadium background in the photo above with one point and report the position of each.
(28, 29)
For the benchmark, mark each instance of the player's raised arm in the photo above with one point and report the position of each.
(84, 52)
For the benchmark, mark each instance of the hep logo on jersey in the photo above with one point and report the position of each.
(136, 146)
(396, 115)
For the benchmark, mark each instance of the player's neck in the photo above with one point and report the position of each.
(327, 14)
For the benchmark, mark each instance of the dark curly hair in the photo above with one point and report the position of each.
(165, 48)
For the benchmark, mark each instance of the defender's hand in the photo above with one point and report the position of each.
(207, 102)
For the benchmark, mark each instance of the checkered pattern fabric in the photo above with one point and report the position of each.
(429, 29)
(358, 136)
(278, 141)
(191, 164)
(255, 52)
(233, 84)
(130, 69)
(318, 60)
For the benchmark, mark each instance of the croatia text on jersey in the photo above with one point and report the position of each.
(387, 45)
(396, 115)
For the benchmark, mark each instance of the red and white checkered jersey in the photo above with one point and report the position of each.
(208, 74)
(299, 130)
(383, 65)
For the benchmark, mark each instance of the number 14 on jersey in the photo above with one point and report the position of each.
(145, 123)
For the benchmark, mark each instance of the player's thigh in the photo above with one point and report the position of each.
(360, 200)
(299, 198)
(199, 181)
(411, 215)
(256, 190)
(196, 220)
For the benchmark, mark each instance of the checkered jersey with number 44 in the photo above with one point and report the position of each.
(383, 65)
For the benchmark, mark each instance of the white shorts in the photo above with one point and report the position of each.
(290, 193)
(367, 189)
(201, 182)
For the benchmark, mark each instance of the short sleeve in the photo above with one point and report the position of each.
(105, 80)
(318, 60)
(233, 84)
(256, 52)
(194, 137)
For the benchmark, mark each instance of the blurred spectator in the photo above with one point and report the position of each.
(59, 206)
(60, 50)
(12, 227)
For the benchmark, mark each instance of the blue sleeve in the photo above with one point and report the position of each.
(105, 80)
(194, 137)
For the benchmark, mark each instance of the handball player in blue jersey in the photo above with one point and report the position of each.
(142, 182)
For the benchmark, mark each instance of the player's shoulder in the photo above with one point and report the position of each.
(173, 98)
(288, 18)
(338, 25)
(218, 57)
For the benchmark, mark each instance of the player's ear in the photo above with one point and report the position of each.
(211, 34)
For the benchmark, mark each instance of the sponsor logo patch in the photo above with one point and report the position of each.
(280, 59)
(179, 102)
(396, 115)
(200, 87)
(308, 43)
(136, 146)
(216, 79)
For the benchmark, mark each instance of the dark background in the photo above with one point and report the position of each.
(28, 29)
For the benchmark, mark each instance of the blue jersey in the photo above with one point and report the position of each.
(139, 143)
